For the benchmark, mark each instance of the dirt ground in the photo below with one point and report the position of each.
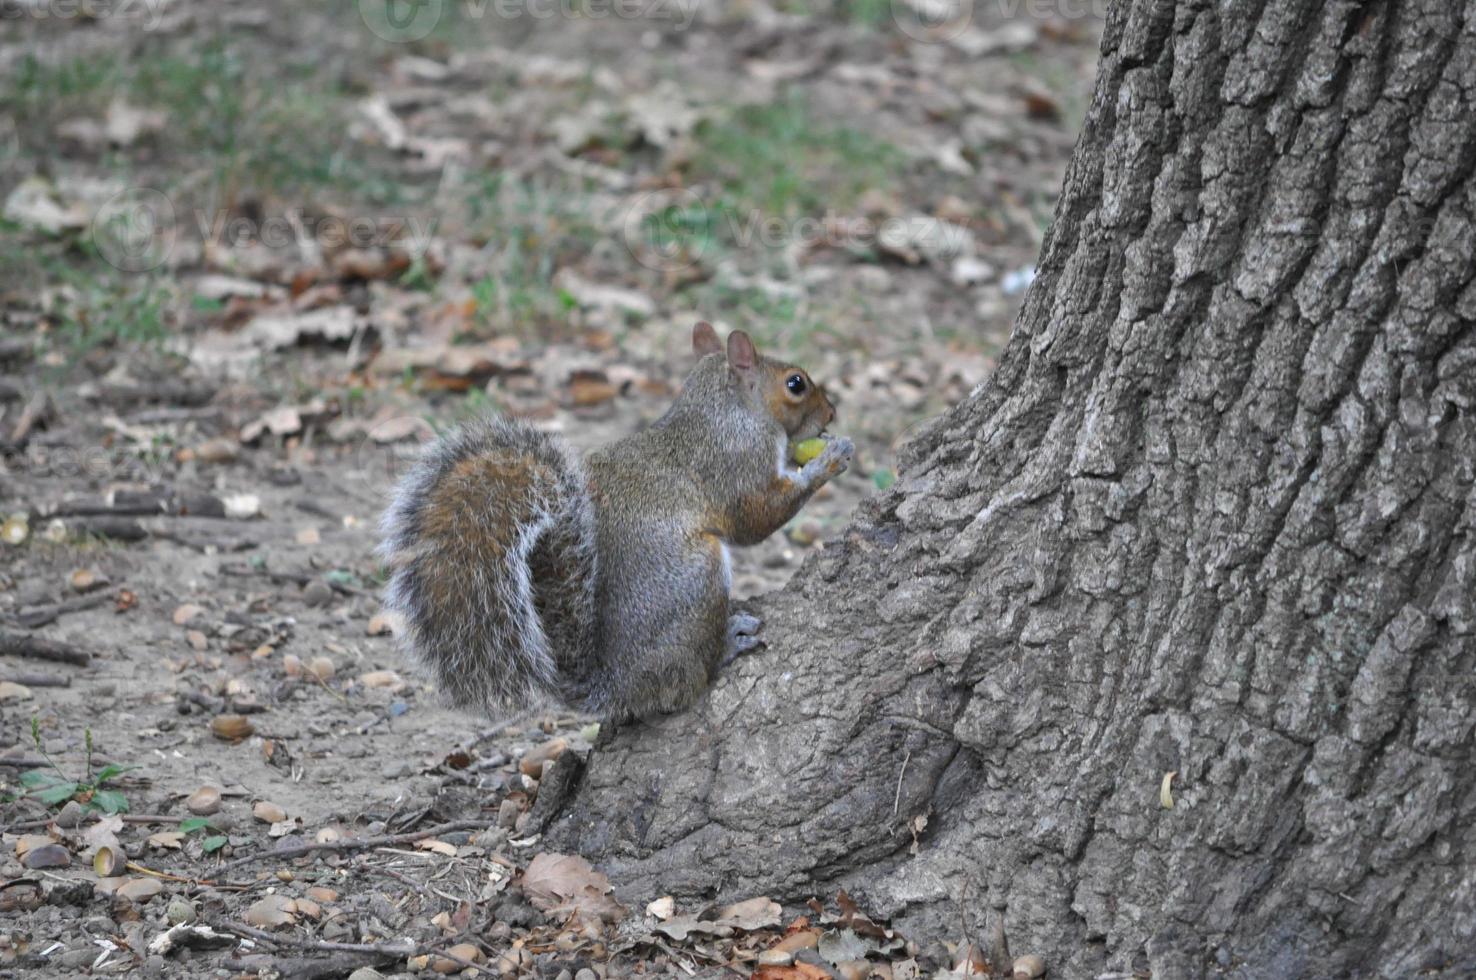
(252, 254)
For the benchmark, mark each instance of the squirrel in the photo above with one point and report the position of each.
(528, 577)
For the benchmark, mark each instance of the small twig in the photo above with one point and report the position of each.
(402, 879)
(324, 685)
(405, 879)
(139, 818)
(897, 800)
(240, 569)
(323, 945)
(38, 616)
(166, 876)
(37, 648)
(353, 844)
(156, 416)
(396, 950)
(117, 528)
(39, 680)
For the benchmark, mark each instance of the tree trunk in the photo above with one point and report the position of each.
(1212, 516)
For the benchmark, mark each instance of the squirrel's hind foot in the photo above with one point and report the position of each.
(741, 638)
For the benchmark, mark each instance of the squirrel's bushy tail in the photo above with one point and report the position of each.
(490, 545)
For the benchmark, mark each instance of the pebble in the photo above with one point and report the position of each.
(317, 593)
(337, 930)
(179, 911)
(462, 951)
(99, 925)
(1029, 966)
(76, 959)
(76, 891)
(140, 889)
(231, 728)
(217, 451)
(70, 815)
(775, 957)
(11, 691)
(805, 533)
(366, 973)
(203, 801)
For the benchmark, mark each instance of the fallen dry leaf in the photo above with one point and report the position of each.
(752, 915)
(565, 881)
(799, 971)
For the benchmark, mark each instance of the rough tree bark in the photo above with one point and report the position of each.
(1213, 515)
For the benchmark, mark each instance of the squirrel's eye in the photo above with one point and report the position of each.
(796, 384)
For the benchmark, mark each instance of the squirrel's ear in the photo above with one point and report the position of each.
(741, 354)
(705, 339)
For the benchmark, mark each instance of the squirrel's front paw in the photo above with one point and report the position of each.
(833, 460)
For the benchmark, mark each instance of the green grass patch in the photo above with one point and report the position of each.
(530, 230)
(785, 161)
(786, 324)
(55, 788)
(249, 124)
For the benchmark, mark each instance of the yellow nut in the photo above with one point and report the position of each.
(806, 450)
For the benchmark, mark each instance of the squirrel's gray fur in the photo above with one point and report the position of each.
(527, 577)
